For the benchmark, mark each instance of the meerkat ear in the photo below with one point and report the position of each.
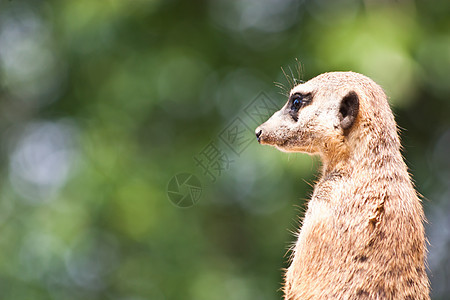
(348, 110)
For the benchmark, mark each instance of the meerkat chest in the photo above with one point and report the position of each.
(330, 218)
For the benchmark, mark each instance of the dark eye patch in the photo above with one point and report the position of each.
(297, 101)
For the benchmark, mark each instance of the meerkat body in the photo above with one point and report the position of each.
(362, 235)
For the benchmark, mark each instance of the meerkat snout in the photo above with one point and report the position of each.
(258, 133)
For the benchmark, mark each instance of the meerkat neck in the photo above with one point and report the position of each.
(372, 156)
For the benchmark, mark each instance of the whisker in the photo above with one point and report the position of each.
(288, 79)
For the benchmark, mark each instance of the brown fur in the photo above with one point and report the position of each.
(362, 236)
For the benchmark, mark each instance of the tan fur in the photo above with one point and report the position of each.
(362, 236)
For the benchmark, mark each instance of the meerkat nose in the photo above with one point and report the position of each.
(258, 134)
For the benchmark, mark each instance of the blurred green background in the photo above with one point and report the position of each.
(103, 102)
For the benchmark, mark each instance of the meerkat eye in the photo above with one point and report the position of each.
(297, 102)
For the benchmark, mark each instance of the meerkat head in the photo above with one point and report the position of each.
(317, 118)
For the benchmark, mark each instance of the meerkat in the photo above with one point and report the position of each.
(362, 235)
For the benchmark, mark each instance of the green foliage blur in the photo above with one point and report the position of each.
(103, 102)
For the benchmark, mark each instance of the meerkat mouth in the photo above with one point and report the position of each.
(268, 141)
